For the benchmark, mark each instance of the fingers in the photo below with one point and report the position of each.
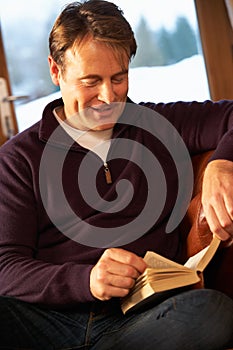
(115, 273)
(219, 221)
(217, 198)
(228, 200)
(229, 225)
(125, 258)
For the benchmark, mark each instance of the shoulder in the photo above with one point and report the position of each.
(21, 140)
(23, 151)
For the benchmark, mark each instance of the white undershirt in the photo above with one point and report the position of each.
(97, 141)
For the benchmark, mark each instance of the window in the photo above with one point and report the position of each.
(168, 66)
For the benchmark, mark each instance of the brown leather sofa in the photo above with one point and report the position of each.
(219, 273)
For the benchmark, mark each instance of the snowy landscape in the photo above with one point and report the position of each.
(183, 81)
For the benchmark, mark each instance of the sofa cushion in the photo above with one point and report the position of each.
(219, 273)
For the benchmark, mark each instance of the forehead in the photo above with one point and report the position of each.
(92, 53)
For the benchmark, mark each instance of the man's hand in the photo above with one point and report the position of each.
(217, 198)
(115, 273)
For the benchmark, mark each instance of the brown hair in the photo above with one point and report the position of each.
(100, 19)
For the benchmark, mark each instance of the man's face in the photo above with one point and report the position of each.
(94, 79)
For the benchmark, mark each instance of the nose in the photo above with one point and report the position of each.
(106, 92)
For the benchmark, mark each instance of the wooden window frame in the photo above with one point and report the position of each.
(4, 74)
(217, 42)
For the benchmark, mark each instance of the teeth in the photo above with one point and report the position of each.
(102, 110)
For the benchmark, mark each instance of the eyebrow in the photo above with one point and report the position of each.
(94, 76)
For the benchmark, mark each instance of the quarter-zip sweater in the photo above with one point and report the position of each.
(45, 257)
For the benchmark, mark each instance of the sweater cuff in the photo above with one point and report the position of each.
(85, 292)
(225, 148)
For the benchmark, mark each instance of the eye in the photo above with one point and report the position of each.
(90, 82)
(119, 79)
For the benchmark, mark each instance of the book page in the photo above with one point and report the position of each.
(193, 261)
(200, 260)
(157, 261)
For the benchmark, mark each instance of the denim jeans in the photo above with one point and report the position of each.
(198, 319)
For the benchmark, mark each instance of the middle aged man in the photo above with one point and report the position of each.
(79, 188)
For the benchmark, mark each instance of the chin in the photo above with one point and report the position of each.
(103, 127)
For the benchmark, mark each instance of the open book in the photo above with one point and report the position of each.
(164, 277)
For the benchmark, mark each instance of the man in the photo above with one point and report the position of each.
(65, 261)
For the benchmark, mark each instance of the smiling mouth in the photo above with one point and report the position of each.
(103, 116)
(103, 110)
(104, 113)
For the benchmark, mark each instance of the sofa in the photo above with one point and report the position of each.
(219, 273)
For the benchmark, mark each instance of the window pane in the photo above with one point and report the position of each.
(169, 51)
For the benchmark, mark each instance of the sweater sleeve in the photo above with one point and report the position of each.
(22, 275)
(201, 124)
(224, 149)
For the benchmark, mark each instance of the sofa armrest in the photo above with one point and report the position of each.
(219, 273)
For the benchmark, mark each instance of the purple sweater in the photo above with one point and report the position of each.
(40, 264)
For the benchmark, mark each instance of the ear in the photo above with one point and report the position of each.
(54, 71)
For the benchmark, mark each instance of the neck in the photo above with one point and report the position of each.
(90, 138)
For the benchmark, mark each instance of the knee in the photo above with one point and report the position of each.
(213, 311)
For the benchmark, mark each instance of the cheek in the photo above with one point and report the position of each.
(122, 90)
(84, 96)
(72, 93)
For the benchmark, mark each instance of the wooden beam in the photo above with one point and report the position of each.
(4, 74)
(217, 43)
(229, 6)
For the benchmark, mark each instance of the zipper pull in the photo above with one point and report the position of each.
(107, 174)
